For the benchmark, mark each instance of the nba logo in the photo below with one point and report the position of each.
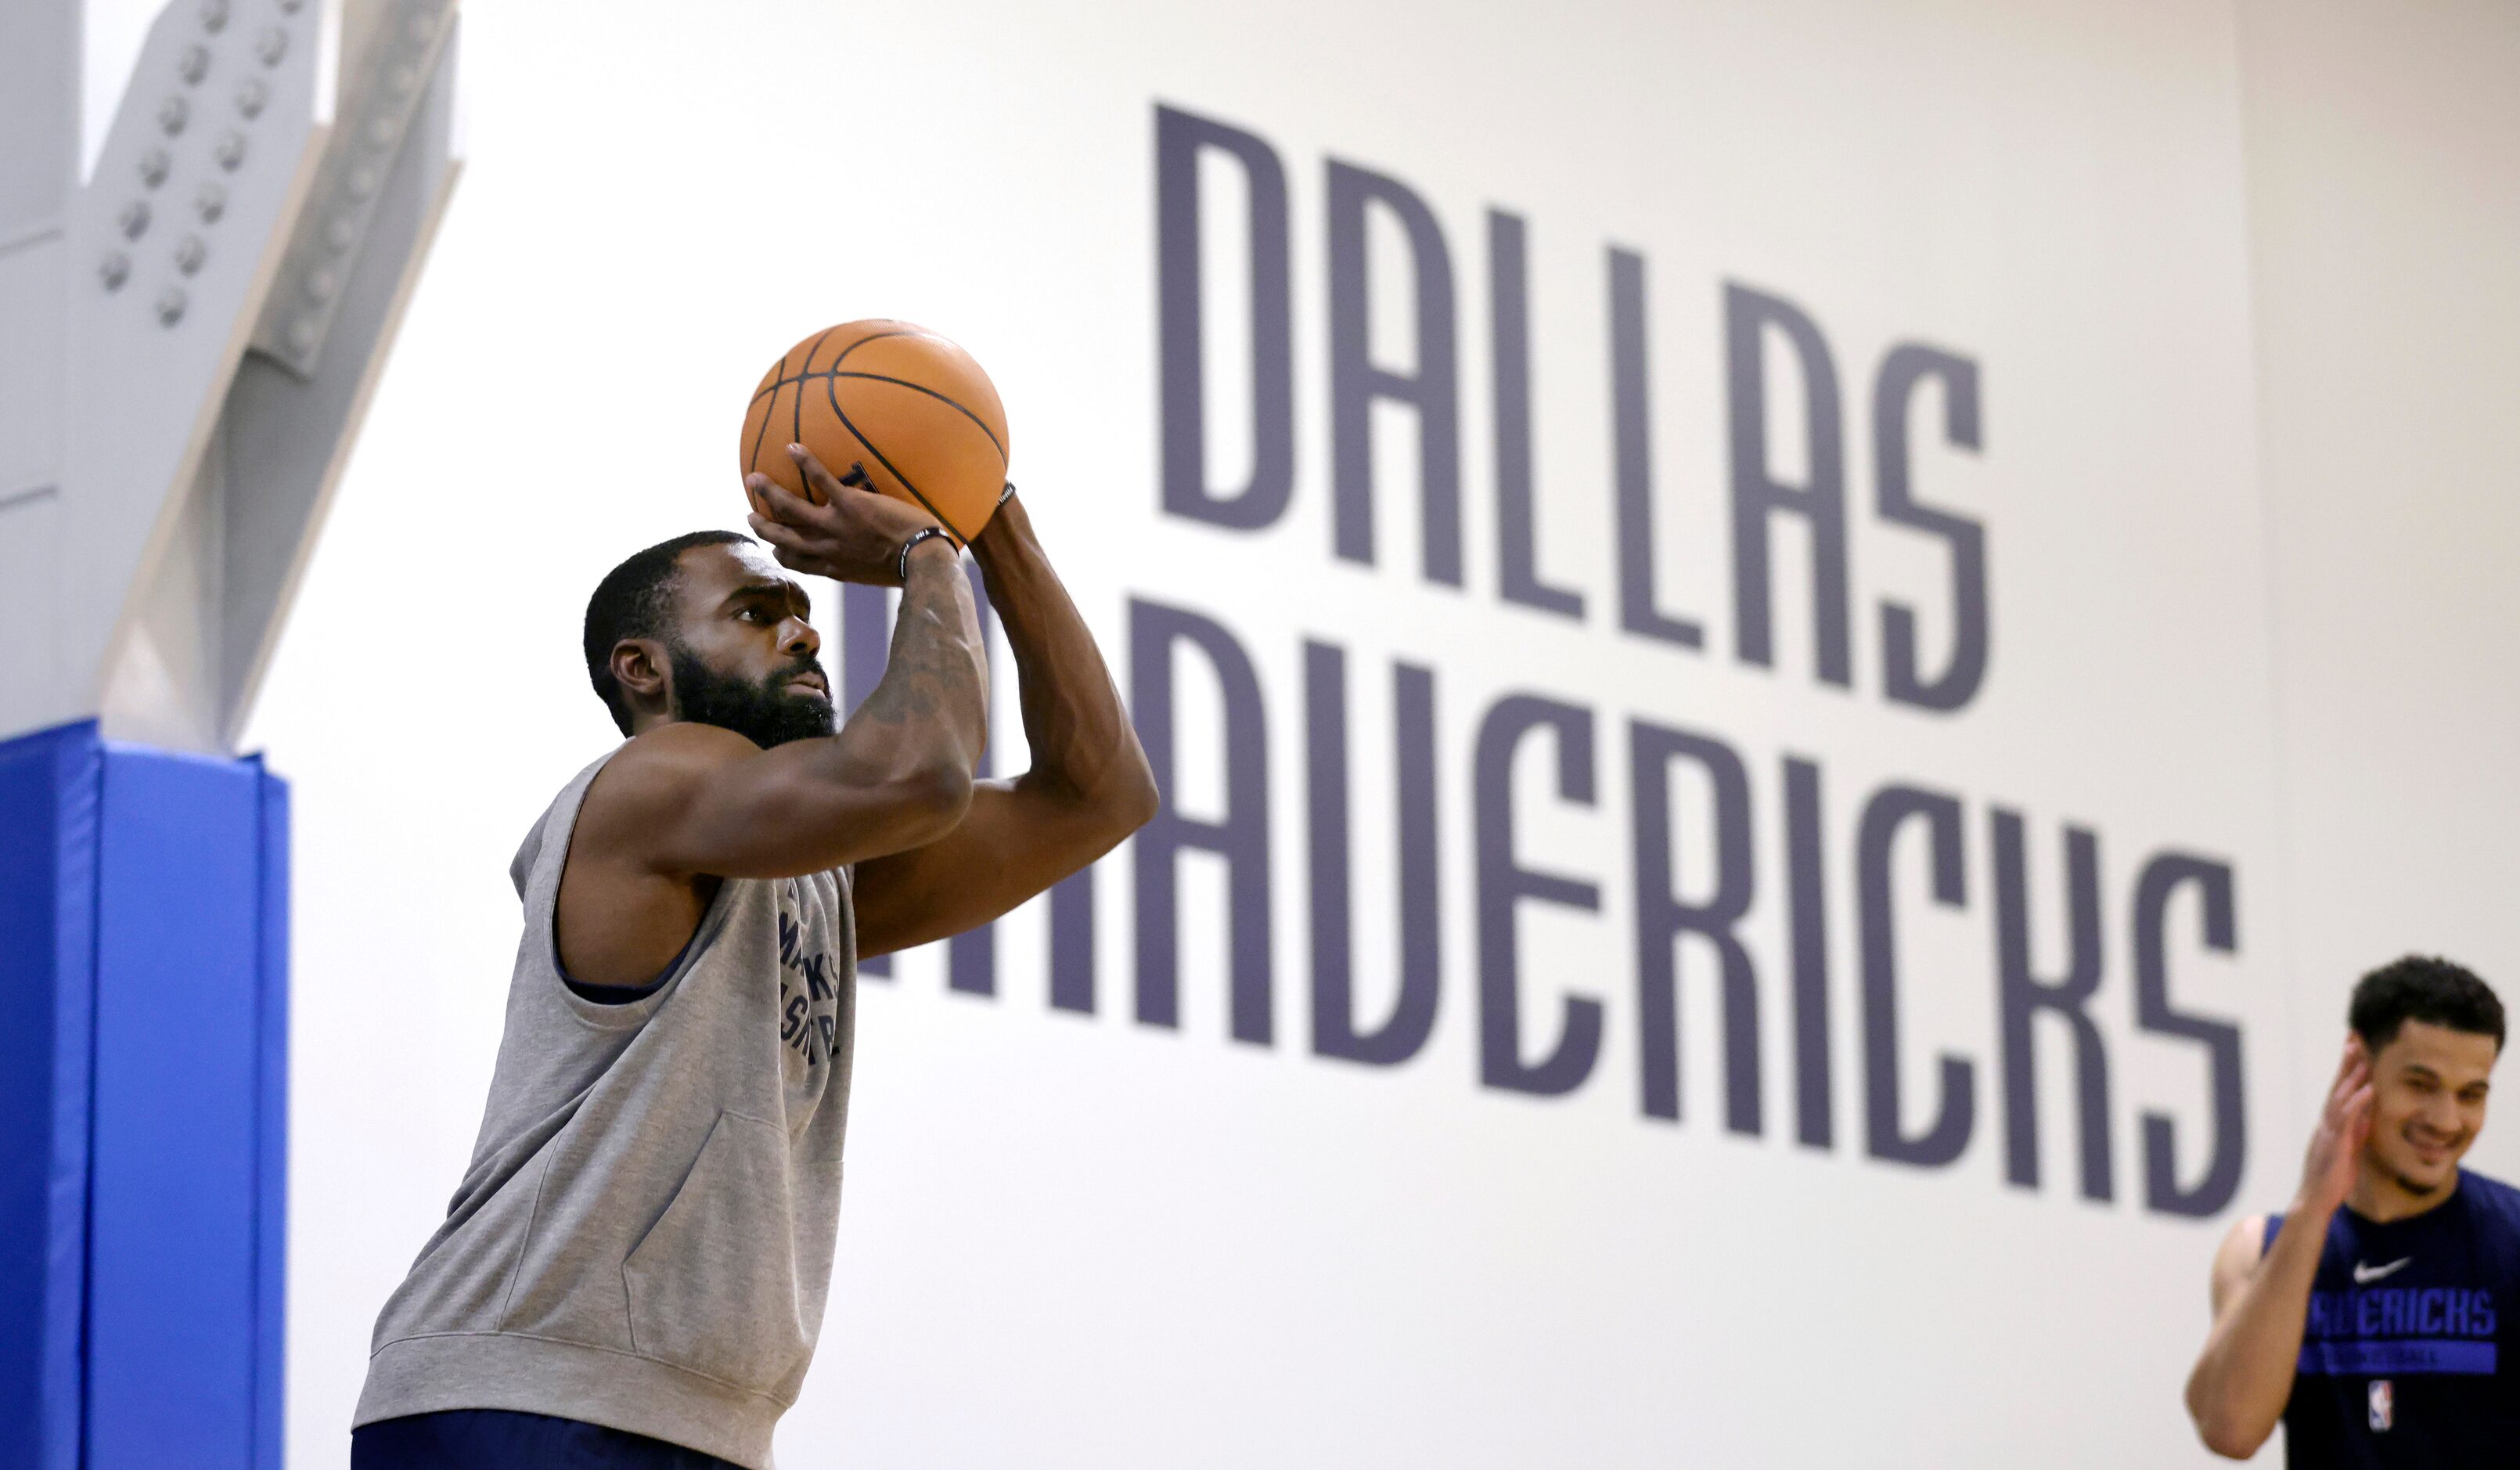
(2383, 1403)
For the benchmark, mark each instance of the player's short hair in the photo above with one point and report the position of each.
(636, 600)
(2424, 987)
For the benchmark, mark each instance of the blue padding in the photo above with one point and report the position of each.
(178, 1094)
(143, 1096)
(48, 838)
(271, 1132)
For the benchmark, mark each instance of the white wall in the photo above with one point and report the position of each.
(2385, 253)
(1085, 1241)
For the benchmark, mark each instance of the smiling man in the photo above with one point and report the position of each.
(632, 1271)
(2375, 1318)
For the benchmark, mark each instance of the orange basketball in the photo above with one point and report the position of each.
(886, 405)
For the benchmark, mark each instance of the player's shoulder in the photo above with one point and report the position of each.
(2493, 1216)
(683, 742)
(2236, 1256)
(657, 760)
(2243, 1243)
(657, 774)
(2492, 1197)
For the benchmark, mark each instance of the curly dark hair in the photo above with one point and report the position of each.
(2424, 987)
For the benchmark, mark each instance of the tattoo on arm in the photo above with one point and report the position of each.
(934, 672)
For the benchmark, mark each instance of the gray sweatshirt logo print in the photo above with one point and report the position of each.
(807, 986)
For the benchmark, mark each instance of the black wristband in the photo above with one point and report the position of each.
(902, 569)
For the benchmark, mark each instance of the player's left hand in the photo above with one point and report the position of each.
(855, 535)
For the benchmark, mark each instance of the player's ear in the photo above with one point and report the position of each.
(643, 673)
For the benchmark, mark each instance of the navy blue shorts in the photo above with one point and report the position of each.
(496, 1439)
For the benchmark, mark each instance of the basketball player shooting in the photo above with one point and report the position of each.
(2375, 1318)
(632, 1272)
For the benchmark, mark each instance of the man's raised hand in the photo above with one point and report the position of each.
(2336, 1145)
(855, 535)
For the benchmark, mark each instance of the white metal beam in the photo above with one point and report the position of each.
(187, 340)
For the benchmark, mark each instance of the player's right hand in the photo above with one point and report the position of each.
(855, 535)
(2336, 1144)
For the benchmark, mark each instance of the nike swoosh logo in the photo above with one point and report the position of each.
(2364, 1275)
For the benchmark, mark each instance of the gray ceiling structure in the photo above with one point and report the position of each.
(190, 335)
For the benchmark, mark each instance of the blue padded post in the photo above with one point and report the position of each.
(271, 1132)
(49, 788)
(156, 883)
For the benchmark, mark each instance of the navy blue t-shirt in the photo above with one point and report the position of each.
(2411, 1353)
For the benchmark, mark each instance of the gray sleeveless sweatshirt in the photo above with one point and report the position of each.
(644, 1237)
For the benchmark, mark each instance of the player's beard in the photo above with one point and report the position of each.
(768, 713)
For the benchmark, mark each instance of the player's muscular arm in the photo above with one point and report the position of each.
(1089, 786)
(2237, 1392)
(708, 801)
(684, 804)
